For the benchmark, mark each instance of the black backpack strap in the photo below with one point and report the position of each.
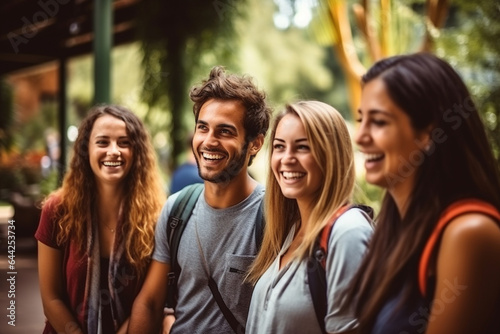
(366, 210)
(230, 318)
(179, 215)
(316, 275)
(316, 272)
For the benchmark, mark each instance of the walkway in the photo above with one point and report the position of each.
(29, 316)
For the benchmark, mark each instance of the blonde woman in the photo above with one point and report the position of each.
(95, 236)
(311, 177)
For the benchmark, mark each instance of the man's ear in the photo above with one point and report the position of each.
(256, 144)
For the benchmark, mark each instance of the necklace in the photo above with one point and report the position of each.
(109, 228)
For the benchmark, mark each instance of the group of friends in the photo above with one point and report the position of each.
(428, 262)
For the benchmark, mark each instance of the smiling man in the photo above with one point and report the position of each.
(218, 243)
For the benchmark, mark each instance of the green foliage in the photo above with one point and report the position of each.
(49, 183)
(471, 44)
(174, 36)
(368, 194)
(22, 172)
(405, 19)
(30, 136)
(287, 63)
(181, 45)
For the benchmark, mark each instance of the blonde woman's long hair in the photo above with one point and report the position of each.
(331, 147)
(76, 199)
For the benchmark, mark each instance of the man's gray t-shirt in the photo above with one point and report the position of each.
(227, 240)
(282, 302)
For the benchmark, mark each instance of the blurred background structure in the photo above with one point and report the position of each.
(60, 57)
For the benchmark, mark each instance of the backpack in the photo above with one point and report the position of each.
(316, 263)
(179, 215)
(454, 210)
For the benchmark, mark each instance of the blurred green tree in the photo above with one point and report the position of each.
(174, 36)
(464, 33)
(372, 30)
(471, 42)
(286, 61)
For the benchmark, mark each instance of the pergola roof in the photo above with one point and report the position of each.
(33, 32)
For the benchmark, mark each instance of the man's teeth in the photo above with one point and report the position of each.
(293, 175)
(373, 157)
(112, 163)
(212, 156)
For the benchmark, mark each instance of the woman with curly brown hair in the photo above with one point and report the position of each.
(96, 232)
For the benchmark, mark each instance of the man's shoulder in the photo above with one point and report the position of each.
(259, 190)
(256, 197)
(172, 197)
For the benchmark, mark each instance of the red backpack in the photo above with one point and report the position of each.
(454, 210)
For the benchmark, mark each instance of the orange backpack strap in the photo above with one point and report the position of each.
(454, 210)
(325, 233)
(316, 264)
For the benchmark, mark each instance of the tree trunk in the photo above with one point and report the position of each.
(176, 85)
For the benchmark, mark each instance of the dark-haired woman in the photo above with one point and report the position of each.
(424, 142)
